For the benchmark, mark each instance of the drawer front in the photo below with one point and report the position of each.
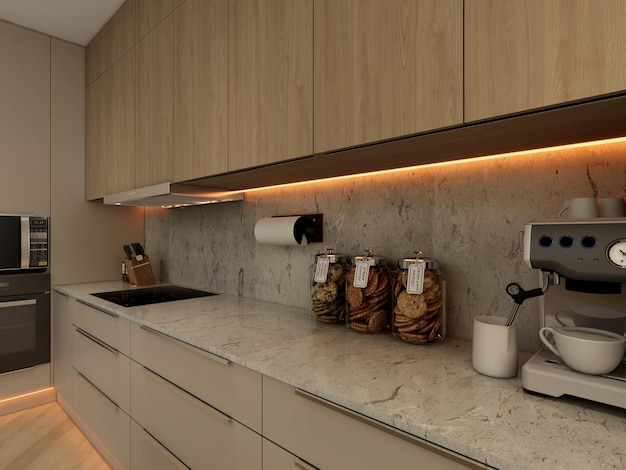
(229, 387)
(330, 437)
(109, 424)
(198, 434)
(104, 366)
(108, 327)
(277, 458)
(147, 453)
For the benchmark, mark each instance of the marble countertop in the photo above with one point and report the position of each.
(431, 392)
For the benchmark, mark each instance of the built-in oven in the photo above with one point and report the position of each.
(24, 320)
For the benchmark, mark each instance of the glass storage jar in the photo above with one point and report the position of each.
(419, 301)
(328, 287)
(368, 294)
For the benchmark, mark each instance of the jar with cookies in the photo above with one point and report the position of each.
(419, 307)
(368, 294)
(328, 287)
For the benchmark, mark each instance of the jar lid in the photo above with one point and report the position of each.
(332, 257)
(372, 260)
(431, 263)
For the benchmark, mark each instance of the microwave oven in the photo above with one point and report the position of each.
(23, 242)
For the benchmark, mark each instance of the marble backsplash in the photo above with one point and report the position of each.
(468, 215)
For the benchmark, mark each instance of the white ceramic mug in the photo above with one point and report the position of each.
(612, 207)
(602, 317)
(587, 350)
(494, 347)
(580, 208)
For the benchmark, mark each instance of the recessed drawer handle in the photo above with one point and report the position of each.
(95, 307)
(89, 382)
(302, 465)
(96, 340)
(434, 448)
(188, 346)
(188, 396)
(165, 451)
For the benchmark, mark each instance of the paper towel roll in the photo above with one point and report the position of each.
(289, 231)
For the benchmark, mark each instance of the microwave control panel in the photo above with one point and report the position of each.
(38, 228)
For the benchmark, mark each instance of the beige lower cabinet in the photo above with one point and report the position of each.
(277, 458)
(104, 423)
(326, 436)
(198, 434)
(146, 453)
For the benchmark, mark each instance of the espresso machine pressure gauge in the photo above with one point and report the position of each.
(616, 253)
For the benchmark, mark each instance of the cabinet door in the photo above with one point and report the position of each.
(522, 55)
(97, 55)
(96, 138)
(120, 161)
(146, 453)
(386, 68)
(150, 13)
(200, 89)
(122, 30)
(62, 343)
(154, 145)
(302, 424)
(270, 73)
(198, 434)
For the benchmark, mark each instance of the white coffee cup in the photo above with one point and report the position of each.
(586, 350)
(580, 208)
(494, 347)
(589, 315)
(612, 207)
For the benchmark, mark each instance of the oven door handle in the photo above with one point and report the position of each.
(18, 303)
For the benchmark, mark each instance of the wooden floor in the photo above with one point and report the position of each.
(44, 437)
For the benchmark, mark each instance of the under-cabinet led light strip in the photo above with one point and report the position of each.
(451, 162)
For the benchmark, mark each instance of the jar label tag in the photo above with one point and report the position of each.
(415, 278)
(361, 273)
(321, 269)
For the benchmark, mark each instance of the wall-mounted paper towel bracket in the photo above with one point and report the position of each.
(290, 230)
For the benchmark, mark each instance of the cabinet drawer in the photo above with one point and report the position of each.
(331, 437)
(104, 366)
(231, 388)
(198, 434)
(147, 453)
(106, 326)
(277, 458)
(108, 427)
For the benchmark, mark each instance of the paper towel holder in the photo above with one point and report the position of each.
(313, 226)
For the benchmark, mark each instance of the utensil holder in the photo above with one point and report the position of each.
(139, 272)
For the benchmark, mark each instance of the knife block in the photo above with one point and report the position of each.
(139, 272)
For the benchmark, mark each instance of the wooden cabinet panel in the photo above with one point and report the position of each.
(121, 148)
(229, 387)
(96, 138)
(97, 55)
(522, 55)
(386, 69)
(302, 425)
(150, 13)
(200, 89)
(270, 72)
(154, 144)
(62, 331)
(195, 432)
(122, 30)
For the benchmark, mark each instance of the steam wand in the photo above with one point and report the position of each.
(518, 294)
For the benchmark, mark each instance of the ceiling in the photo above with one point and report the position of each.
(76, 21)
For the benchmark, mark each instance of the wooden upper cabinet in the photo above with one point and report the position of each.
(528, 54)
(122, 30)
(97, 55)
(200, 89)
(96, 137)
(154, 141)
(120, 157)
(150, 13)
(270, 81)
(386, 68)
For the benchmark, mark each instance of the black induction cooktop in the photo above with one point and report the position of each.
(151, 295)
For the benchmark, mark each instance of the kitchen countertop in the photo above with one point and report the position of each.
(431, 391)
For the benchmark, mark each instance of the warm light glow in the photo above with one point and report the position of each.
(452, 162)
(26, 395)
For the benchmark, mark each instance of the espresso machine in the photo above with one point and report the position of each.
(582, 271)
